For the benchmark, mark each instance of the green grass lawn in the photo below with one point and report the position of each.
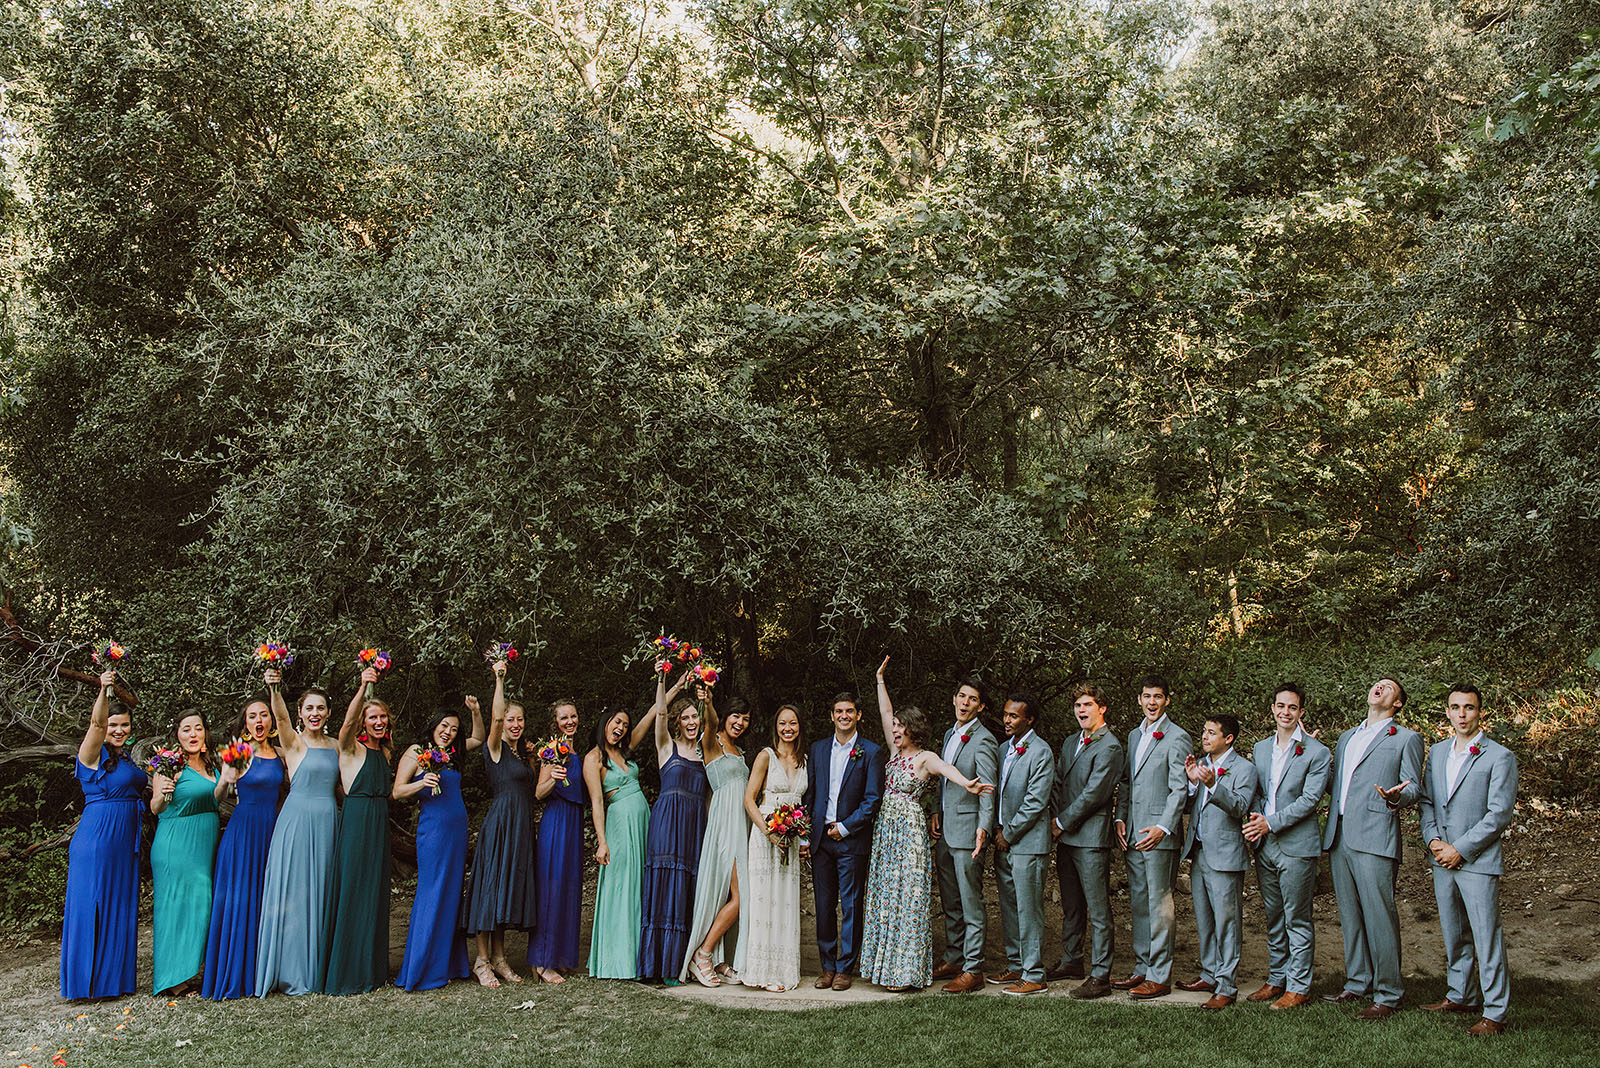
(618, 1025)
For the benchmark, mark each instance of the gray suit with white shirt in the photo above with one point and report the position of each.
(1363, 843)
(1221, 857)
(1470, 815)
(1154, 792)
(961, 816)
(1084, 801)
(1286, 859)
(1019, 868)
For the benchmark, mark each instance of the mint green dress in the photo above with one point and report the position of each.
(181, 857)
(724, 850)
(619, 894)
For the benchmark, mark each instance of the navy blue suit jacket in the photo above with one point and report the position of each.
(859, 794)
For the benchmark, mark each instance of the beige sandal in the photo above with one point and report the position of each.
(550, 975)
(481, 969)
(700, 966)
(503, 969)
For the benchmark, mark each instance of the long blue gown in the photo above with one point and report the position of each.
(436, 952)
(558, 868)
(296, 892)
(672, 859)
(100, 924)
(241, 867)
(502, 864)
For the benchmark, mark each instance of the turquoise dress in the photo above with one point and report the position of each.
(358, 948)
(295, 892)
(726, 846)
(181, 857)
(618, 901)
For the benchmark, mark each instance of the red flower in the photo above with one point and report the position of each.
(1299, 750)
(967, 737)
(855, 752)
(1158, 735)
(1020, 749)
(1393, 730)
(1474, 750)
(1086, 739)
(1221, 772)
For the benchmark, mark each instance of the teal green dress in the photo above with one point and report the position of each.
(726, 845)
(358, 949)
(619, 894)
(181, 857)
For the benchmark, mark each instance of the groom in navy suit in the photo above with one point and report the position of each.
(842, 794)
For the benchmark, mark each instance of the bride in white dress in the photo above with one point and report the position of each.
(769, 925)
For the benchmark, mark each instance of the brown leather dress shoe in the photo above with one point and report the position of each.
(1007, 976)
(1291, 1000)
(1375, 1012)
(824, 981)
(1127, 984)
(1198, 986)
(841, 981)
(946, 970)
(1486, 1027)
(1065, 971)
(964, 983)
(1267, 992)
(1024, 986)
(1218, 1001)
(1451, 1006)
(1343, 997)
(1092, 987)
(1147, 990)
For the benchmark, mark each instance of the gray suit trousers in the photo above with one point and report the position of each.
(1150, 876)
(1469, 915)
(1219, 921)
(1083, 874)
(1364, 885)
(961, 895)
(1021, 880)
(1287, 884)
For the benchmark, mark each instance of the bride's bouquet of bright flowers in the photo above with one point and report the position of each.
(274, 655)
(431, 760)
(374, 658)
(671, 653)
(165, 761)
(501, 651)
(555, 751)
(109, 655)
(788, 822)
(236, 754)
(707, 672)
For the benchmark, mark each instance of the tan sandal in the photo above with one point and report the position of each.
(550, 975)
(503, 969)
(485, 974)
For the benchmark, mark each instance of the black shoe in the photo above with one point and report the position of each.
(1092, 987)
(1065, 971)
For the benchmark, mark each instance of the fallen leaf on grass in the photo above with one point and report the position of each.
(182, 1042)
(526, 1005)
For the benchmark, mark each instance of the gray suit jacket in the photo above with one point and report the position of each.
(1472, 817)
(1085, 793)
(960, 813)
(1371, 825)
(1025, 798)
(1157, 791)
(1305, 779)
(1220, 822)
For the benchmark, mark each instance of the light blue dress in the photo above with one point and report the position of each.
(296, 894)
(725, 849)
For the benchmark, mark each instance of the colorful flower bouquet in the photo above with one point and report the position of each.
(374, 658)
(671, 652)
(788, 822)
(431, 760)
(236, 754)
(501, 651)
(166, 762)
(707, 672)
(274, 655)
(555, 752)
(109, 655)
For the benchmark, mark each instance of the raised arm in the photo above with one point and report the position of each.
(886, 709)
(663, 730)
(95, 736)
(288, 738)
(592, 778)
(478, 732)
(708, 724)
(352, 713)
(497, 711)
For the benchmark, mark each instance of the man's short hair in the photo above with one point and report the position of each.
(1089, 689)
(1226, 722)
(1154, 682)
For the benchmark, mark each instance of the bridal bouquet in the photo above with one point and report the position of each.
(111, 654)
(501, 651)
(374, 658)
(236, 754)
(788, 822)
(431, 760)
(671, 653)
(274, 655)
(165, 761)
(707, 672)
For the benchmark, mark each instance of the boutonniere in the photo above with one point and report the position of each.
(1474, 750)
(1221, 772)
(1393, 730)
(1086, 739)
(1158, 735)
(967, 737)
(1299, 750)
(1020, 749)
(855, 752)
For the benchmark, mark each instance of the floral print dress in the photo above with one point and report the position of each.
(897, 949)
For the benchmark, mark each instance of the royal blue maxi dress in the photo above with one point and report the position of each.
(558, 870)
(241, 868)
(672, 858)
(436, 951)
(100, 924)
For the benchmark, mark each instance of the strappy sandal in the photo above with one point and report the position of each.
(485, 974)
(503, 969)
(726, 972)
(700, 966)
(549, 975)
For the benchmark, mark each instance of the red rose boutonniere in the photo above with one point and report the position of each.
(1221, 772)
(855, 752)
(1299, 750)
(1158, 735)
(1020, 749)
(967, 737)
(1474, 750)
(1393, 730)
(1086, 739)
